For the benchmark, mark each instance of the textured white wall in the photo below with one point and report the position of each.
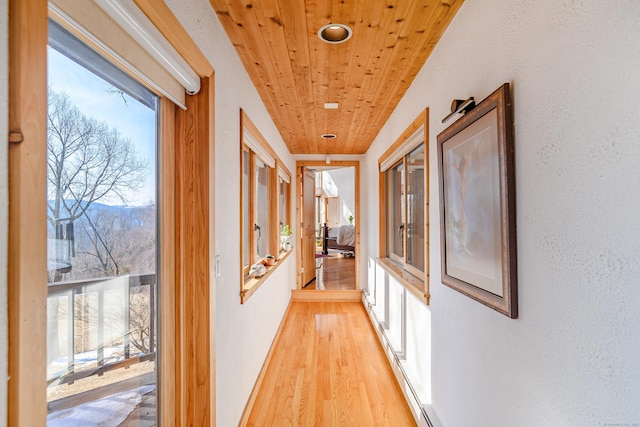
(4, 117)
(345, 180)
(571, 359)
(244, 333)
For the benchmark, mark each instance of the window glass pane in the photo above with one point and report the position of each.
(102, 239)
(245, 208)
(261, 226)
(285, 215)
(415, 208)
(396, 223)
(283, 196)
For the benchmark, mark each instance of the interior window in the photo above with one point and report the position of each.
(261, 225)
(415, 208)
(102, 239)
(245, 207)
(265, 207)
(282, 198)
(405, 204)
(284, 220)
(396, 207)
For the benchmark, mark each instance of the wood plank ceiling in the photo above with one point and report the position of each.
(296, 73)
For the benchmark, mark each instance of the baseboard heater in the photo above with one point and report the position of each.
(396, 358)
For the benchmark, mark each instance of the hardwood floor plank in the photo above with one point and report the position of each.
(334, 273)
(328, 368)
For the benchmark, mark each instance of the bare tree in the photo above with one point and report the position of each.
(87, 161)
(111, 242)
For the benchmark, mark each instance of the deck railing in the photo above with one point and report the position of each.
(94, 299)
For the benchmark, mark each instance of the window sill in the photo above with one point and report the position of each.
(251, 285)
(415, 285)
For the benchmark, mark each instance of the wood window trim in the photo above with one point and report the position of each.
(27, 250)
(168, 255)
(249, 286)
(162, 17)
(387, 197)
(194, 392)
(414, 280)
(406, 279)
(300, 164)
(187, 389)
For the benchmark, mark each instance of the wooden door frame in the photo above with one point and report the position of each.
(302, 244)
(339, 164)
(187, 204)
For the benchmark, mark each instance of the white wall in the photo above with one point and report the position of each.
(244, 333)
(4, 117)
(345, 180)
(571, 358)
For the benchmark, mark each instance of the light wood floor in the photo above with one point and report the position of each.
(328, 369)
(334, 273)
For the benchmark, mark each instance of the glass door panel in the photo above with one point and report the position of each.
(396, 223)
(102, 240)
(416, 209)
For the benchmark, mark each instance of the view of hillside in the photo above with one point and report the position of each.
(105, 241)
(101, 223)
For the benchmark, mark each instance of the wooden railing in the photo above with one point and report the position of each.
(99, 287)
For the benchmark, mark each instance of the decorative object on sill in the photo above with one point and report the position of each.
(477, 204)
(270, 260)
(257, 270)
(460, 106)
(350, 219)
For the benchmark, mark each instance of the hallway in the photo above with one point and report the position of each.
(328, 368)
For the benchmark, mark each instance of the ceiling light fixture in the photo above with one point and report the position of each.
(329, 136)
(460, 106)
(335, 33)
(330, 105)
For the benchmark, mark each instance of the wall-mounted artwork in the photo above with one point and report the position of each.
(477, 204)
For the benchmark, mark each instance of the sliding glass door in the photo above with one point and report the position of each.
(102, 245)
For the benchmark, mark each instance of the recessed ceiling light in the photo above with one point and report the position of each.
(330, 105)
(329, 136)
(334, 33)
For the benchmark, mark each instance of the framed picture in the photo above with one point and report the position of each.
(477, 204)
